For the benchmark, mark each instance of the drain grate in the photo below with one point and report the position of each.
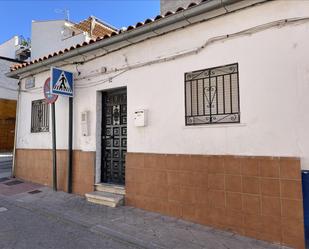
(34, 192)
(11, 183)
(4, 179)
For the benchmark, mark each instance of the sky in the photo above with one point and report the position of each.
(16, 16)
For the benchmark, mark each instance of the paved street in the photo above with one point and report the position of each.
(32, 216)
(5, 164)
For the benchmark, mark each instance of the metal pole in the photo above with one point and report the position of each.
(16, 131)
(70, 142)
(54, 147)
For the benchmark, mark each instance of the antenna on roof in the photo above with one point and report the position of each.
(65, 12)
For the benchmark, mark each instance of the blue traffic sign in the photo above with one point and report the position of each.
(61, 82)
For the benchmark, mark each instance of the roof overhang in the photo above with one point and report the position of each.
(202, 12)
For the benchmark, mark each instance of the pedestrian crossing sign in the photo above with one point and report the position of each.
(61, 82)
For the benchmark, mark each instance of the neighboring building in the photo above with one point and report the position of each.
(201, 115)
(173, 5)
(8, 97)
(16, 48)
(50, 36)
(46, 37)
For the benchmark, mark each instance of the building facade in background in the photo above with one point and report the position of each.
(8, 97)
(54, 35)
(211, 129)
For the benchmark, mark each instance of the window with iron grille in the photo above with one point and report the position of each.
(39, 116)
(212, 96)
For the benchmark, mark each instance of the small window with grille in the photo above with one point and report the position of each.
(39, 116)
(212, 96)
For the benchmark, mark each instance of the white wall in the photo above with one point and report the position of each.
(51, 36)
(8, 48)
(274, 89)
(8, 86)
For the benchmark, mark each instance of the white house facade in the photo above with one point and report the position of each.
(204, 118)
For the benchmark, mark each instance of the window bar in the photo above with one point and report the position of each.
(223, 83)
(231, 102)
(216, 94)
(209, 99)
(191, 97)
(238, 92)
(197, 105)
(44, 115)
(35, 116)
(186, 100)
(204, 97)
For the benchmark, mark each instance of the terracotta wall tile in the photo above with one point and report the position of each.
(217, 217)
(173, 162)
(233, 183)
(291, 189)
(174, 209)
(155, 161)
(292, 208)
(135, 160)
(251, 204)
(292, 232)
(270, 187)
(216, 198)
(271, 206)
(173, 178)
(250, 167)
(202, 212)
(234, 201)
(271, 226)
(201, 195)
(189, 212)
(234, 219)
(253, 222)
(200, 163)
(158, 177)
(269, 168)
(216, 181)
(36, 166)
(200, 179)
(251, 185)
(216, 165)
(290, 169)
(187, 195)
(241, 194)
(232, 165)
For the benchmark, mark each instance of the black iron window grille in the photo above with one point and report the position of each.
(212, 96)
(39, 116)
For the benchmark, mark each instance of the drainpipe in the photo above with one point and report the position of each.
(16, 130)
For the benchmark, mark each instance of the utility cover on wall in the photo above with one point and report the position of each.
(140, 118)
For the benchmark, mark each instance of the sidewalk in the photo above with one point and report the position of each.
(134, 227)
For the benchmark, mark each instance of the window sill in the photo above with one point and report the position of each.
(235, 125)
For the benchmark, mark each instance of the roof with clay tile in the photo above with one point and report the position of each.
(107, 36)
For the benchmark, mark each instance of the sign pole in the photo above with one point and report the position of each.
(54, 147)
(62, 83)
(70, 142)
(51, 99)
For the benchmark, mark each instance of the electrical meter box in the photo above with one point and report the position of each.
(85, 123)
(140, 118)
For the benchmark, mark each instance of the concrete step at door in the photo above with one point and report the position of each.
(110, 188)
(105, 198)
